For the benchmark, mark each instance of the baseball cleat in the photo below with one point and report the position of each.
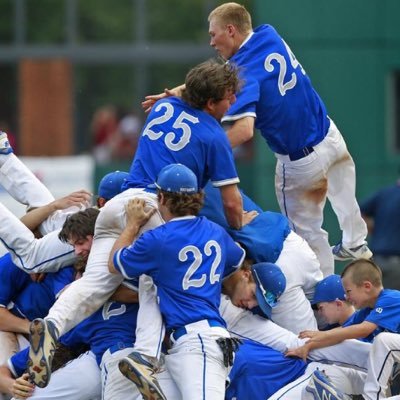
(322, 388)
(141, 372)
(342, 253)
(5, 147)
(43, 339)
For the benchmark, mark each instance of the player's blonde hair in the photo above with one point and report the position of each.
(359, 271)
(234, 14)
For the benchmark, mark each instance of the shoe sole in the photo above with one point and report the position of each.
(148, 388)
(39, 362)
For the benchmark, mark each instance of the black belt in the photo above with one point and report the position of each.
(299, 154)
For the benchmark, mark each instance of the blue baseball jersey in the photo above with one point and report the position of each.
(259, 371)
(31, 299)
(177, 133)
(358, 317)
(386, 312)
(263, 238)
(278, 93)
(186, 258)
(112, 325)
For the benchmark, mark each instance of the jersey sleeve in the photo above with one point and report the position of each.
(140, 257)
(386, 315)
(61, 279)
(246, 101)
(235, 256)
(12, 280)
(220, 161)
(17, 363)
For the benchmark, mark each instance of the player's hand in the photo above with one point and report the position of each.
(300, 352)
(151, 99)
(315, 335)
(137, 214)
(248, 216)
(38, 277)
(81, 198)
(22, 388)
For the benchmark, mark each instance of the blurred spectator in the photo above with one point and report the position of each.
(381, 212)
(104, 128)
(127, 136)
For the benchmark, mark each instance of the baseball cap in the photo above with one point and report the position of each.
(110, 184)
(270, 284)
(329, 289)
(176, 178)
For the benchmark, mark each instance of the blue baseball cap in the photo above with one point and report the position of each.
(329, 289)
(110, 184)
(270, 284)
(176, 178)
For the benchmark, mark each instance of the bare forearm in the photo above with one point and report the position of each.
(240, 131)
(34, 218)
(125, 295)
(6, 380)
(11, 323)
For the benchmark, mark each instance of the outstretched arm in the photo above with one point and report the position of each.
(35, 217)
(151, 99)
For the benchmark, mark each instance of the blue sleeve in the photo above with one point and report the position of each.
(61, 279)
(235, 256)
(246, 101)
(12, 280)
(140, 257)
(386, 314)
(220, 161)
(17, 363)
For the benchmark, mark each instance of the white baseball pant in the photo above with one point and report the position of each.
(196, 363)
(116, 387)
(385, 352)
(348, 380)
(86, 295)
(302, 271)
(78, 380)
(302, 187)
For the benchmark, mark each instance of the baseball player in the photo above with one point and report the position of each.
(178, 130)
(362, 281)
(268, 238)
(313, 162)
(48, 254)
(197, 251)
(330, 301)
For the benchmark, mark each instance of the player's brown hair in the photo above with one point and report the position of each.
(234, 14)
(181, 204)
(79, 225)
(247, 266)
(210, 80)
(362, 270)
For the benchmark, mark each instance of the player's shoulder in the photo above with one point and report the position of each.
(388, 297)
